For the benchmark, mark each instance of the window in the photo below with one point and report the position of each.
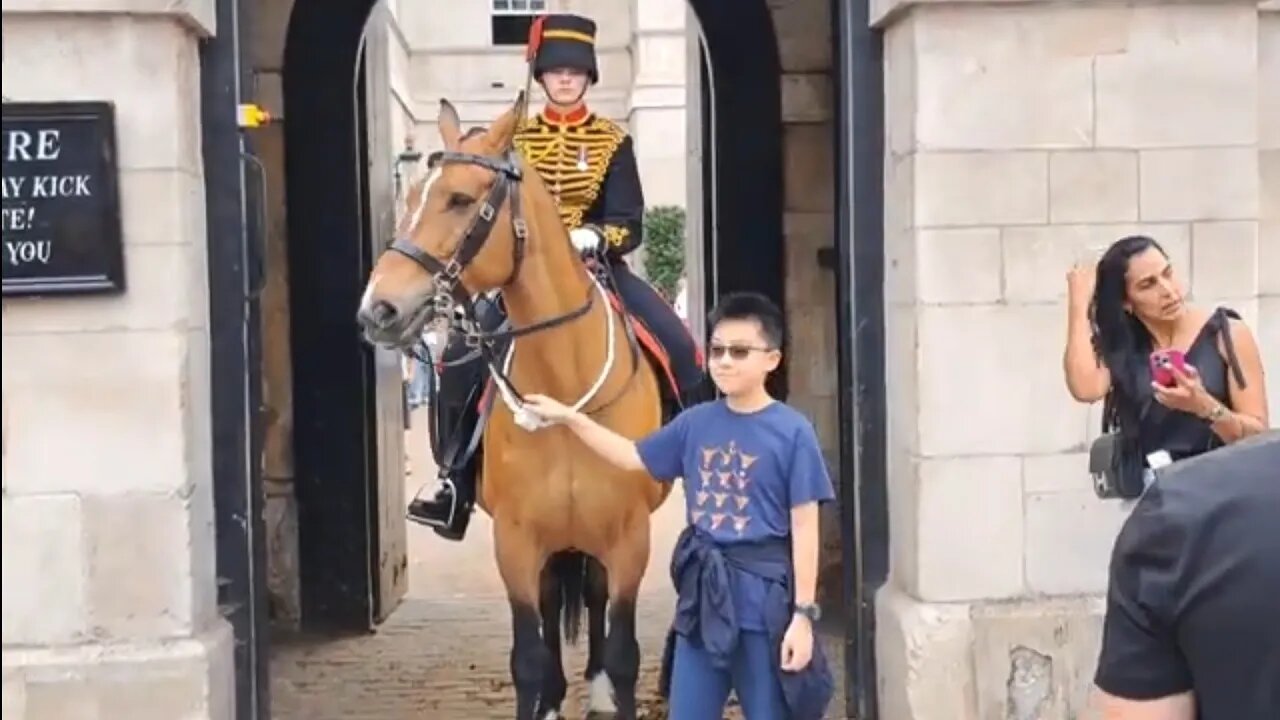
(509, 20)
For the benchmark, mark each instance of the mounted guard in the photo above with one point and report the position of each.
(588, 162)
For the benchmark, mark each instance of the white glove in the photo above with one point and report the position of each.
(584, 239)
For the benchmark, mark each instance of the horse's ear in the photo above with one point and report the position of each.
(504, 128)
(450, 125)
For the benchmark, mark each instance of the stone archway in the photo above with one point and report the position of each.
(340, 390)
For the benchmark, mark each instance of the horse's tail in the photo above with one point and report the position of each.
(568, 571)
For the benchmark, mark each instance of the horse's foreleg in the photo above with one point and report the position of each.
(597, 599)
(625, 564)
(554, 590)
(520, 562)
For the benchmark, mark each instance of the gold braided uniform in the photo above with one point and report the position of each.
(589, 165)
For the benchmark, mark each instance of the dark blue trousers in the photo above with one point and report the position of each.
(699, 689)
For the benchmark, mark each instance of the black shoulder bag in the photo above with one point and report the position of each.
(1115, 458)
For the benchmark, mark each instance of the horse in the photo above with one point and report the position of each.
(569, 530)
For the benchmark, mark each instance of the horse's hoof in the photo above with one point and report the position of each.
(600, 702)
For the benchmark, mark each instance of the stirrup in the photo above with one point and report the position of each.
(432, 523)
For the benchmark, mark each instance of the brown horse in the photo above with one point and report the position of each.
(483, 220)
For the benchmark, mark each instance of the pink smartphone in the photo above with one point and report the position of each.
(1162, 364)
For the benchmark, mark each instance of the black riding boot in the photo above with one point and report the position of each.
(448, 511)
(456, 441)
(455, 412)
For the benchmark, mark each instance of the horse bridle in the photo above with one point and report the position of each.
(449, 290)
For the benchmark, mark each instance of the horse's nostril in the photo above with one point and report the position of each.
(383, 313)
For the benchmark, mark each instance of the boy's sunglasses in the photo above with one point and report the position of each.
(737, 352)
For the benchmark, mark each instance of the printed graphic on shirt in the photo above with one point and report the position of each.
(720, 498)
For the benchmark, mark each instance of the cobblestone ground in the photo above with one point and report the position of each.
(443, 654)
(442, 660)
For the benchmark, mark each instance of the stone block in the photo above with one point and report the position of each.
(190, 678)
(900, 87)
(899, 230)
(1036, 259)
(1267, 331)
(1269, 225)
(808, 168)
(803, 29)
(270, 27)
(806, 98)
(659, 56)
(902, 376)
(971, 61)
(197, 16)
(959, 266)
(1198, 184)
(1093, 186)
(970, 529)
(157, 124)
(991, 381)
(158, 297)
(1224, 256)
(121, 395)
(1196, 63)
(1069, 536)
(903, 480)
(1060, 472)
(44, 571)
(924, 659)
(161, 206)
(1269, 79)
(981, 188)
(140, 567)
(1035, 660)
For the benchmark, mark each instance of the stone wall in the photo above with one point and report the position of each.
(1268, 259)
(1019, 138)
(109, 582)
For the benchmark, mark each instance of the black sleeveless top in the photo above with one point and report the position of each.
(1182, 434)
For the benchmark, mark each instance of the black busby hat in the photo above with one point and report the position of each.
(563, 40)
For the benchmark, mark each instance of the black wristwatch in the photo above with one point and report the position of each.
(809, 610)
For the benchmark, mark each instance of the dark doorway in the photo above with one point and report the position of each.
(335, 381)
(742, 137)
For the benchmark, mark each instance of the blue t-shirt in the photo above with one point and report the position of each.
(743, 472)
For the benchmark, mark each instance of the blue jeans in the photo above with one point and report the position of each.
(699, 690)
(418, 385)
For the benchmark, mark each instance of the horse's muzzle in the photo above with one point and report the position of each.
(385, 324)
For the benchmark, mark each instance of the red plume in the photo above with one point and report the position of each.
(535, 38)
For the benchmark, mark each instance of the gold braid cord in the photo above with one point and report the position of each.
(558, 152)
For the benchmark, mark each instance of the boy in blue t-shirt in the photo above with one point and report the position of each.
(753, 478)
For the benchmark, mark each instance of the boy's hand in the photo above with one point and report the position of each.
(547, 408)
(797, 644)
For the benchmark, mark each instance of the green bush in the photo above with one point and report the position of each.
(664, 248)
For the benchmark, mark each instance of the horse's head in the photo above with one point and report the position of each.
(461, 232)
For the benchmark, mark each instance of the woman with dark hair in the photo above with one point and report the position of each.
(1132, 306)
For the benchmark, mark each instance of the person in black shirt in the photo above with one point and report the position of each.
(1192, 628)
(1131, 303)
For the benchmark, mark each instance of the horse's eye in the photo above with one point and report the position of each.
(458, 201)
